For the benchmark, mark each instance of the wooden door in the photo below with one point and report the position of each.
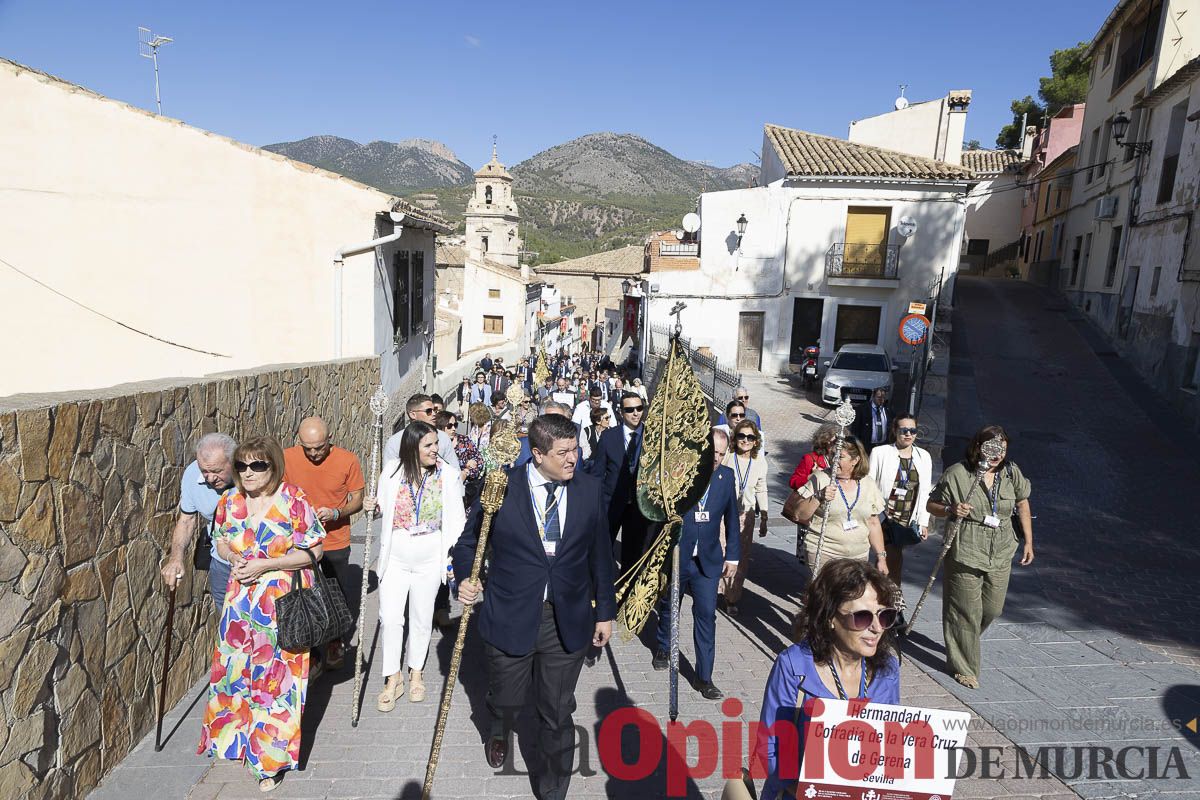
(806, 325)
(750, 340)
(866, 239)
(856, 325)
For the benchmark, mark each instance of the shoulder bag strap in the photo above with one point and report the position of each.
(297, 583)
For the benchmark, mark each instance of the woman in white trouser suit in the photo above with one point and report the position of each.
(423, 516)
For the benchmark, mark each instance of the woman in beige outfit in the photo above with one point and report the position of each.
(750, 473)
(852, 505)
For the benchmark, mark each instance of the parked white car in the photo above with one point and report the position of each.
(856, 371)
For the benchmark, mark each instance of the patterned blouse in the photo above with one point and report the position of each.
(429, 492)
(900, 509)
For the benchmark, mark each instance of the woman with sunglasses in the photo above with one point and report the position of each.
(263, 527)
(844, 649)
(750, 486)
(904, 474)
(468, 456)
(423, 516)
(979, 563)
(852, 505)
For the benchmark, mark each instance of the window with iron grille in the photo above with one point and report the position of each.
(400, 301)
(418, 290)
(1170, 162)
(1137, 43)
(1114, 249)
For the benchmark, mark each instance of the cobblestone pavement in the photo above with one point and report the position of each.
(385, 756)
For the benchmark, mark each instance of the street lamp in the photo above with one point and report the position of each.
(742, 222)
(626, 286)
(1120, 127)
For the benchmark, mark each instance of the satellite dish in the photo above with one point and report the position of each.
(906, 227)
(679, 235)
(691, 222)
(901, 103)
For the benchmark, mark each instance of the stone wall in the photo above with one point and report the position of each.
(89, 491)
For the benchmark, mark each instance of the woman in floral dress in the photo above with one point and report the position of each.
(256, 692)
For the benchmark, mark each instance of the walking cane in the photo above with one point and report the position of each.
(843, 415)
(162, 687)
(992, 449)
(503, 448)
(379, 405)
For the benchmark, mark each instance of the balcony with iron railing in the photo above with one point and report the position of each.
(853, 263)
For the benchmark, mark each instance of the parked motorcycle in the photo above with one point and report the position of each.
(809, 366)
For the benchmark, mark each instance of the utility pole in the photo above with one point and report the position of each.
(148, 45)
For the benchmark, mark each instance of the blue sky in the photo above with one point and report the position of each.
(697, 78)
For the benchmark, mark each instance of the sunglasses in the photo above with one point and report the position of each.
(430, 411)
(907, 431)
(631, 409)
(256, 466)
(747, 437)
(861, 620)
(742, 397)
(737, 416)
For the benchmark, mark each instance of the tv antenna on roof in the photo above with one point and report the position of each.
(902, 101)
(148, 45)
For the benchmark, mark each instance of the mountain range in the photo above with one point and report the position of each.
(593, 193)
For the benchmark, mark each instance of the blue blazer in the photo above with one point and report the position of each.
(519, 570)
(722, 504)
(610, 464)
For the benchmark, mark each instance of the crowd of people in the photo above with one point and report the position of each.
(261, 517)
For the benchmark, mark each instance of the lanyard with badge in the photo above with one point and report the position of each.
(742, 481)
(900, 489)
(851, 523)
(993, 520)
(701, 512)
(419, 528)
(539, 517)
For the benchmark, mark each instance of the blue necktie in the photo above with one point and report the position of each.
(550, 524)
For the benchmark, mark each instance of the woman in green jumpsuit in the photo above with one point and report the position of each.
(980, 561)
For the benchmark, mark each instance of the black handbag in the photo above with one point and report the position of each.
(202, 555)
(310, 617)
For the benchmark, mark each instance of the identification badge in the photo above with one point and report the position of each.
(849, 524)
(549, 547)
(701, 516)
(992, 521)
(899, 492)
(420, 530)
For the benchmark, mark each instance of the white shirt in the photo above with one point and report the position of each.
(628, 431)
(583, 413)
(566, 397)
(537, 490)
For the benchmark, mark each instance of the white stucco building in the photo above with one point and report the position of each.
(822, 258)
(140, 248)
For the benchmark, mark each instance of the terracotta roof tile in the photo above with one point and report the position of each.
(989, 161)
(625, 260)
(810, 155)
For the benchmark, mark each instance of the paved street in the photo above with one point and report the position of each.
(1097, 643)
(1093, 645)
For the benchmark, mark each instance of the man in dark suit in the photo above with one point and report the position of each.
(486, 362)
(615, 460)
(701, 565)
(551, 559)
(873, 420)
(498, 381)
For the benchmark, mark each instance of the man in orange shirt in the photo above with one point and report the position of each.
(333, 480)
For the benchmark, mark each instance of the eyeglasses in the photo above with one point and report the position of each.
(428, 411)
(256, 466)
(747, 437)
(861, 620)
(906, 431)
(631, 409)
